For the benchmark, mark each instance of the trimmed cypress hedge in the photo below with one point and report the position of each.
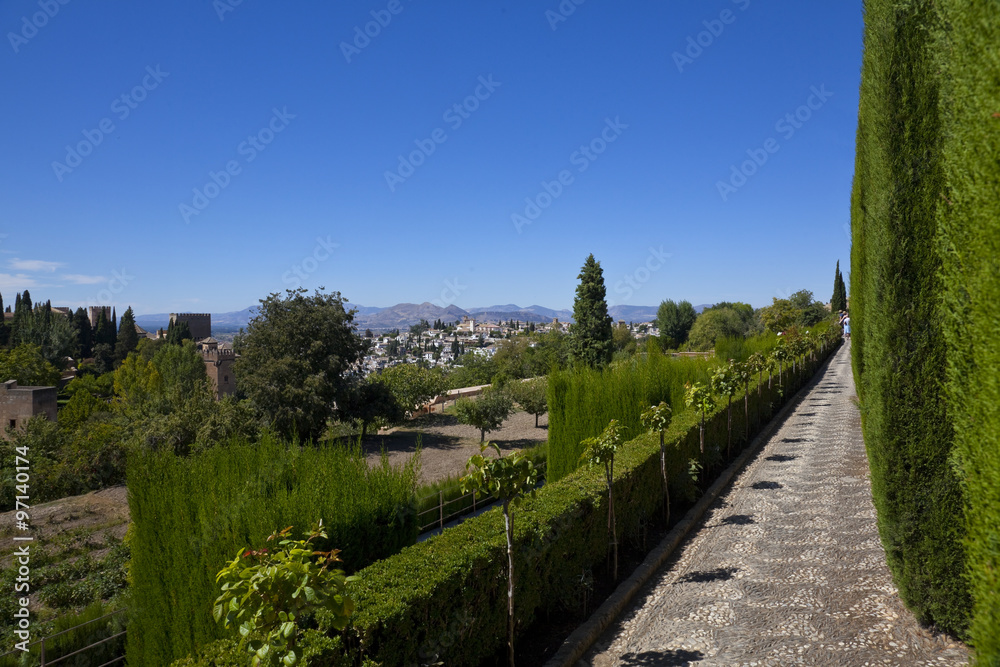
(191, 515)
(925, 289)
(969, 243)
(444, 600)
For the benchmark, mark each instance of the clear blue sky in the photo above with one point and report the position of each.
(118, 218)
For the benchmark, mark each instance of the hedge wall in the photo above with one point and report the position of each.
(924, 290)
(969, 242)
(444, 600)
(190, 516)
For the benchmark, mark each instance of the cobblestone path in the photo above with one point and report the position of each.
(787, 567)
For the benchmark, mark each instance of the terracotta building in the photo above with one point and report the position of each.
(218, 367)
(200, 324)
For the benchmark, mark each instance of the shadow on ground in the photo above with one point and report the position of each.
(675, 658)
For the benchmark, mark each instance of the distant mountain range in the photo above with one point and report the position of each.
(403, 315)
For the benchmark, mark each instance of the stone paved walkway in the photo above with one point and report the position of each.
(787, 568)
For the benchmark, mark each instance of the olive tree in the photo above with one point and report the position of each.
(487, 413)
(531, 396)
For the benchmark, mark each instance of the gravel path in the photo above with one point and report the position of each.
(447, 445)
(787, 568)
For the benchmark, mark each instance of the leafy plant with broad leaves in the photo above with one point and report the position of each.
(744, 376)
(756, 364)
(780, 355)
(656, 419)
(601, 451)
(699, 397)
(508, 478)
(265, 594)
(725, 382)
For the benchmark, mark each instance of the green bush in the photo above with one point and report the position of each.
(190, 516)
(443, 601)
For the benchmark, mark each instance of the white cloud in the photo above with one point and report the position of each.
(80, 279)
(33, 265)
(16, 282)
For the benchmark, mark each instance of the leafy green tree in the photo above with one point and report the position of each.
(726, 382)
(838, 301)
(744, 376)
(80, 408)
(228, 419)
(371, 401)
(507, 478)
(674, 320)
(601, 451)
(412, 385)
(591, 341)
(755, 364)
(265, 595)
(779, 356)
(713, 325)
(699, 397)
(780, 316)
(531, 396)
(487, 412)
(104, 358)
(621, 337)
(295, 354)
(26, 364)
(656, 419)
(128, 337)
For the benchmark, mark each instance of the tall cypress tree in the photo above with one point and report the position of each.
(591, 343)
(128, 337)
(103, 334)
(84, 334)
(4, 330)
(838, 301)
(114, 325)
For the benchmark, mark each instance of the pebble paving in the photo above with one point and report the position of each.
(787, 567)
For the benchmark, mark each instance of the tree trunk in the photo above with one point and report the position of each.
(509, 525)
(611, 520)
(482, 435)
(663, 472)
(746, 415)
(536, 420)
(729, 425)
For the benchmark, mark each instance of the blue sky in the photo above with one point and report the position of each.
(198, 155)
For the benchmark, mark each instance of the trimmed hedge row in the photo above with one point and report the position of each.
(925, 289)
(443, 600)
(192, 515)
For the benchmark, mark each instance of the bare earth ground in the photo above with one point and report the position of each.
(84, 519)
(446, 445)
(787, 567)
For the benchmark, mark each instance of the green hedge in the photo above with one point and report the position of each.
(924, 290)
(969, 241)
(582, 401)
(443, 600)
(190, 516)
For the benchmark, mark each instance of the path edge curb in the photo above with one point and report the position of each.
(581, 639)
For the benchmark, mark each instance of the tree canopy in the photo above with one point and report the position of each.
(674, 320)
(294, 358)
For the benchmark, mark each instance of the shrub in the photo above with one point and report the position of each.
(191, 515)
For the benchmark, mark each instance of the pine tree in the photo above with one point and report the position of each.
(128, 337)
(102, 332)
(591, 343)
(114, 326)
